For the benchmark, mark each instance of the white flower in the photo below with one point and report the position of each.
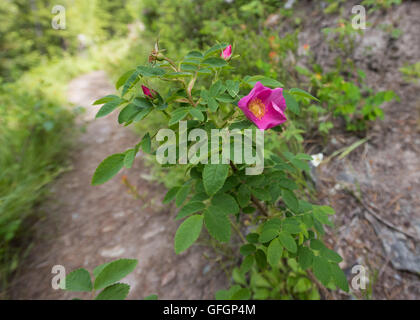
(317, 159)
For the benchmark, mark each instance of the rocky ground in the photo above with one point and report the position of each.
(375, 190)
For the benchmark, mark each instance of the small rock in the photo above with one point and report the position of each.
(113, 252)
(168, 277)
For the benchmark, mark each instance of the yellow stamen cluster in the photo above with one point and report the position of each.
(257, 107)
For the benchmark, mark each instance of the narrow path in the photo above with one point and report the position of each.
(85, 226)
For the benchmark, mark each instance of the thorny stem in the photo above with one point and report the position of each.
(173, 65)
(235, 226)
(254, 200)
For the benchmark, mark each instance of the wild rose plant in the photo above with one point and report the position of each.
(269, 212)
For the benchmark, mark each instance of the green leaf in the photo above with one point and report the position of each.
(190, 208)
(151, 297)
(147, 71)
(216, 48)
(108, 168)
(244, 195)
(106, 99)
(188, 232)
(142, 103)
(196, 114)
(242, 294)
(99, 269)
(247, 264)
(322, 270)
(225, 203)
(178, 115)
(146, 143)
(108, 107)
(182, 194)
(317, 244)
(268, 234)
(305, 257)
(321, 216)
(287, 241)
(118, 291)
(142, 114)
(170, 195)
(217, 224)
(331, 255)
(274, 252)
(128, 113)
(252, 237)
(265, 81)
(214, 176)
(291, 103)
(123, 79)
(232, 88)
(261, 259)
(129, 158)
(131, 81)
(247, 249)
(302, 93)
(214, 62)
(213, 104)
(78, 281)
(339, 277)
(290, 200)
(114, 271)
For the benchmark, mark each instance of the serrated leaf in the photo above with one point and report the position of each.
(247, 264)
(106, 99)
(290, 200)
(232, 87)
(118, 291)
(217, 224)
(216, 48)
(108, 107)
(77, 281)
(261, 259)
(331, 255)
(274, 252)
(170, 195)
(321, 216)
(322, 270)
(305, 257)
(302, 93)
(129, 158)
(214, 62)
(114, 272)
(242, 294)
(190, 208)
(225, 203)
(339, 277)
(291, 103)
(268, 234)
(265, 81)
(123, 79)
(196, 114)
(178, 115)
(147, 71)
(214, 176)
(247, 249)
(128, 113)
(182, 194)
(244, 195)
(108, 168)
(188, 232)
(287, 241)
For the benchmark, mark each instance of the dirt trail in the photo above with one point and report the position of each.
(85, 226)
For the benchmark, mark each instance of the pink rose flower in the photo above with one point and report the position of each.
(227, 53)
(264, 106)
(148, 92)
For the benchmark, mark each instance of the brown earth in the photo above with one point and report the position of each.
(85, 226)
